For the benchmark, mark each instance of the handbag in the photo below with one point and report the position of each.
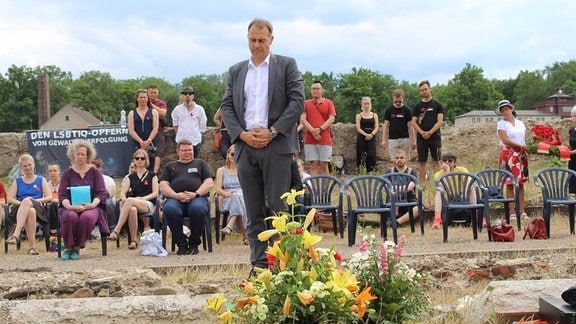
(503, 233)
(536, 229)
(217, 140)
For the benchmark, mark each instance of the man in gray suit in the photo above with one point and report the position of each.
(261, 109)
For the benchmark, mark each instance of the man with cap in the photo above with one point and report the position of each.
(189, 120)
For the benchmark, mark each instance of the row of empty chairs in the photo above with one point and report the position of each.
(371, 194)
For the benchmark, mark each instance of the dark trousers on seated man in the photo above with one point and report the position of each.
(195, 210)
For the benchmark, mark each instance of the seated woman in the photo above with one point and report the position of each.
(228, 187)
(78, 220)
(54, 184)
(139, 196)
(27, 194)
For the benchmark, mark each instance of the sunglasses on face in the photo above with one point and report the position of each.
(397, 102)
(139, 158)
(449, 161)
(187, 93)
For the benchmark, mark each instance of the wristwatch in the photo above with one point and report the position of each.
(273, 133)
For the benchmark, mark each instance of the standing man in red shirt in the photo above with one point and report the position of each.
(161, 108)
(319, 114)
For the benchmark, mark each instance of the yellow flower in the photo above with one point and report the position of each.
(266, 277)
(267, 234)
(343, 281)
(291, 196)
(278, 222)
(309, 218)
(309, 239)
(313, 274)
(215, 303)
(226, 317)
(305, 298)
(287, 304)
(362, 301)
(275, 250)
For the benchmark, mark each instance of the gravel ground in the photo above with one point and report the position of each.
(231, 251)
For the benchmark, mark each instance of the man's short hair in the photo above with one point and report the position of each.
(152, 86)
(449, 156)
(183, 142)
(319, 82)
(423, 83)
(261, 23)
(398, 93)
(400, 151)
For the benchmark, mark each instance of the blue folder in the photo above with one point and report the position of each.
(80, 195)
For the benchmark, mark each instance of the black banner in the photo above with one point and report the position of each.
(113, 146)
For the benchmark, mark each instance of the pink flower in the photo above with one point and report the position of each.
(363, 246)
(399, 248)
(383, 259)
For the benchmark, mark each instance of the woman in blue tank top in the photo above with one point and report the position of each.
(27, 195)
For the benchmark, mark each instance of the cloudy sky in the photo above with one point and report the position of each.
(411, 40)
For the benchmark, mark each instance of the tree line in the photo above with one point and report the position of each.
(104, 97)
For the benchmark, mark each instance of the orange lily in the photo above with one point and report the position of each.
(287, 304)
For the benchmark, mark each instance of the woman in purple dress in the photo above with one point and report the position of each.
(77, 221)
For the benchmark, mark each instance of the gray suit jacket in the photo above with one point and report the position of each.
(285, 102)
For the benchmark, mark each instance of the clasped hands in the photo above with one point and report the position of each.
(82, 207)
(256, 137)
(185, 196)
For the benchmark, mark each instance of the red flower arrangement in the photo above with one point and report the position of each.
(546, 140)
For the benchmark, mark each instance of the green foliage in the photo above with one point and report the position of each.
(467, 91)
(531, 87)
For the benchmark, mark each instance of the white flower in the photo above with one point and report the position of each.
(318, 289)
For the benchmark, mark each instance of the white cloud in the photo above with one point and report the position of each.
(411, 40)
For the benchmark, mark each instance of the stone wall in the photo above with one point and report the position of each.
(12, 145)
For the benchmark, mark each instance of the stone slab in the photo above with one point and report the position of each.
(513, 299)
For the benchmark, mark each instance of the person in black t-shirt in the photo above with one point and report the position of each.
(427, 118)
(186, 183)
(398, 132)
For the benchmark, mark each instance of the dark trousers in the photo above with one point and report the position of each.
(196, 210)
(264, 176)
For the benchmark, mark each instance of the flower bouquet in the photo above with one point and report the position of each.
(302, 284)
(400, 291)
(546, 140)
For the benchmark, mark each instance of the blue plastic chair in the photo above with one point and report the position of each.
(497, 180)
(320, 193)
(400, 182)
(370, 194)
(554, 183)
(463, 191)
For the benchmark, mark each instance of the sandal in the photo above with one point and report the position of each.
(13, 240)
(246, 241)
(226, 230)
(133, 245)
(33, 251)
(113, 236)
